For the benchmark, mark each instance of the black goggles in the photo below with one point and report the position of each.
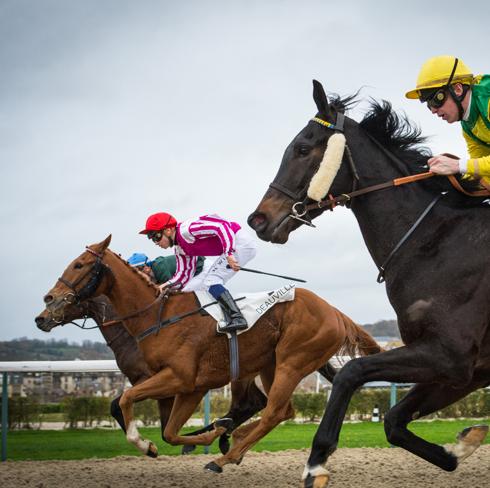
(155, 236)
(437, 99)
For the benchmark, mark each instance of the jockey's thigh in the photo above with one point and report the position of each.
(216, 272)
(245, 247)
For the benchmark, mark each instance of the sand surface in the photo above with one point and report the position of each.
(350, 468)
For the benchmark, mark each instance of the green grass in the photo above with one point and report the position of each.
(52, 417)
(99, 443)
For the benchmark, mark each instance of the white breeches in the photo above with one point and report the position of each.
(215, 271)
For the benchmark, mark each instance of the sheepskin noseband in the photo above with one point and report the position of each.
(329, 167)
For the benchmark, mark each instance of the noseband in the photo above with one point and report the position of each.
(299, 210)
(94, 274)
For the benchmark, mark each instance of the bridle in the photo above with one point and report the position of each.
(300, 209)
(94, 274)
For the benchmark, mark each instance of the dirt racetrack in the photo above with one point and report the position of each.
(358, 468)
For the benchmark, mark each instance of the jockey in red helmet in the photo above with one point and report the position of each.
(209, 235)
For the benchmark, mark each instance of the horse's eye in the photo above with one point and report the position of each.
(78, 265)
(303, 149)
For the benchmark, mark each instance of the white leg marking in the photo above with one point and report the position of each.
(314, 471)
(133, 436)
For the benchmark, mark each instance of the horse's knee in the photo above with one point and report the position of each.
(125, 399)
(394, 427)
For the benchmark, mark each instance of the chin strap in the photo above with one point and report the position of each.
(457, 99)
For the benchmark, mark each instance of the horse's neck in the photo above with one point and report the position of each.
(130, 293)
(385, 216)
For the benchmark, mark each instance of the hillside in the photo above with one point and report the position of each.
(24, 349)
(383, 328)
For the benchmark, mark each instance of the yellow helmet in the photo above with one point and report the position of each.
(436, 72)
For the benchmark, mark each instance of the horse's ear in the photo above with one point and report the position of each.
(320, 98)
(102, 246)
(105, 243)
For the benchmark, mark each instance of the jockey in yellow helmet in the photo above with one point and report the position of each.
(454, 94)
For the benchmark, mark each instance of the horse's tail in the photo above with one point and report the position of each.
(357, 341)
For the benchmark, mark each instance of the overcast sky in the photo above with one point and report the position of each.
(113, 110)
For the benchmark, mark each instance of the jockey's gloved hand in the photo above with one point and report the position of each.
(233, 263)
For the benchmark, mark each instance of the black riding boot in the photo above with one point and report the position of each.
(233, 316)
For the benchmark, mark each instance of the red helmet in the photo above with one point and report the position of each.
(159, 221)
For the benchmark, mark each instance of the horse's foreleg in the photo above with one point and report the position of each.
(184, 406)
(163, 384)
(423, 400)
(426, 363)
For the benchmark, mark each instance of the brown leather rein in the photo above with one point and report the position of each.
(162, 296)
(345, 197)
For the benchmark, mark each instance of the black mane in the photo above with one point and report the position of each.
(395, 132)
(405, 140)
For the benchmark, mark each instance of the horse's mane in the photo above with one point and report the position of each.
(392, 130)
(395, 132)
(141, 275)
(404, 139)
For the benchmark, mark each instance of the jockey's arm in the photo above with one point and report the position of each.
(478, 163)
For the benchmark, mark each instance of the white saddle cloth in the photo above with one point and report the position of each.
(252, 305)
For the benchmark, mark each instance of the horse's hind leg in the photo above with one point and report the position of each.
(267, 377)
(278, 409)
(247, 400)
(423, 400)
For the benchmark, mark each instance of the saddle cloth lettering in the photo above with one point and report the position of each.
(252, 305)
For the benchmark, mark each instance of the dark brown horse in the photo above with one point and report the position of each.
(438, 281)
(247, 399)
(187, 358)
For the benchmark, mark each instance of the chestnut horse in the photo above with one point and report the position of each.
(187, 358)
(247, 399)
(437, 279)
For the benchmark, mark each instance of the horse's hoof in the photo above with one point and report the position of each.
(187, 449)
(473, 435)
(320, 481)
(152, 451)
(226, 423)
(469, 440)
(212, 466)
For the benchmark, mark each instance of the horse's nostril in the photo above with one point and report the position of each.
(257, 221)
(39, 320)
(48, 299)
